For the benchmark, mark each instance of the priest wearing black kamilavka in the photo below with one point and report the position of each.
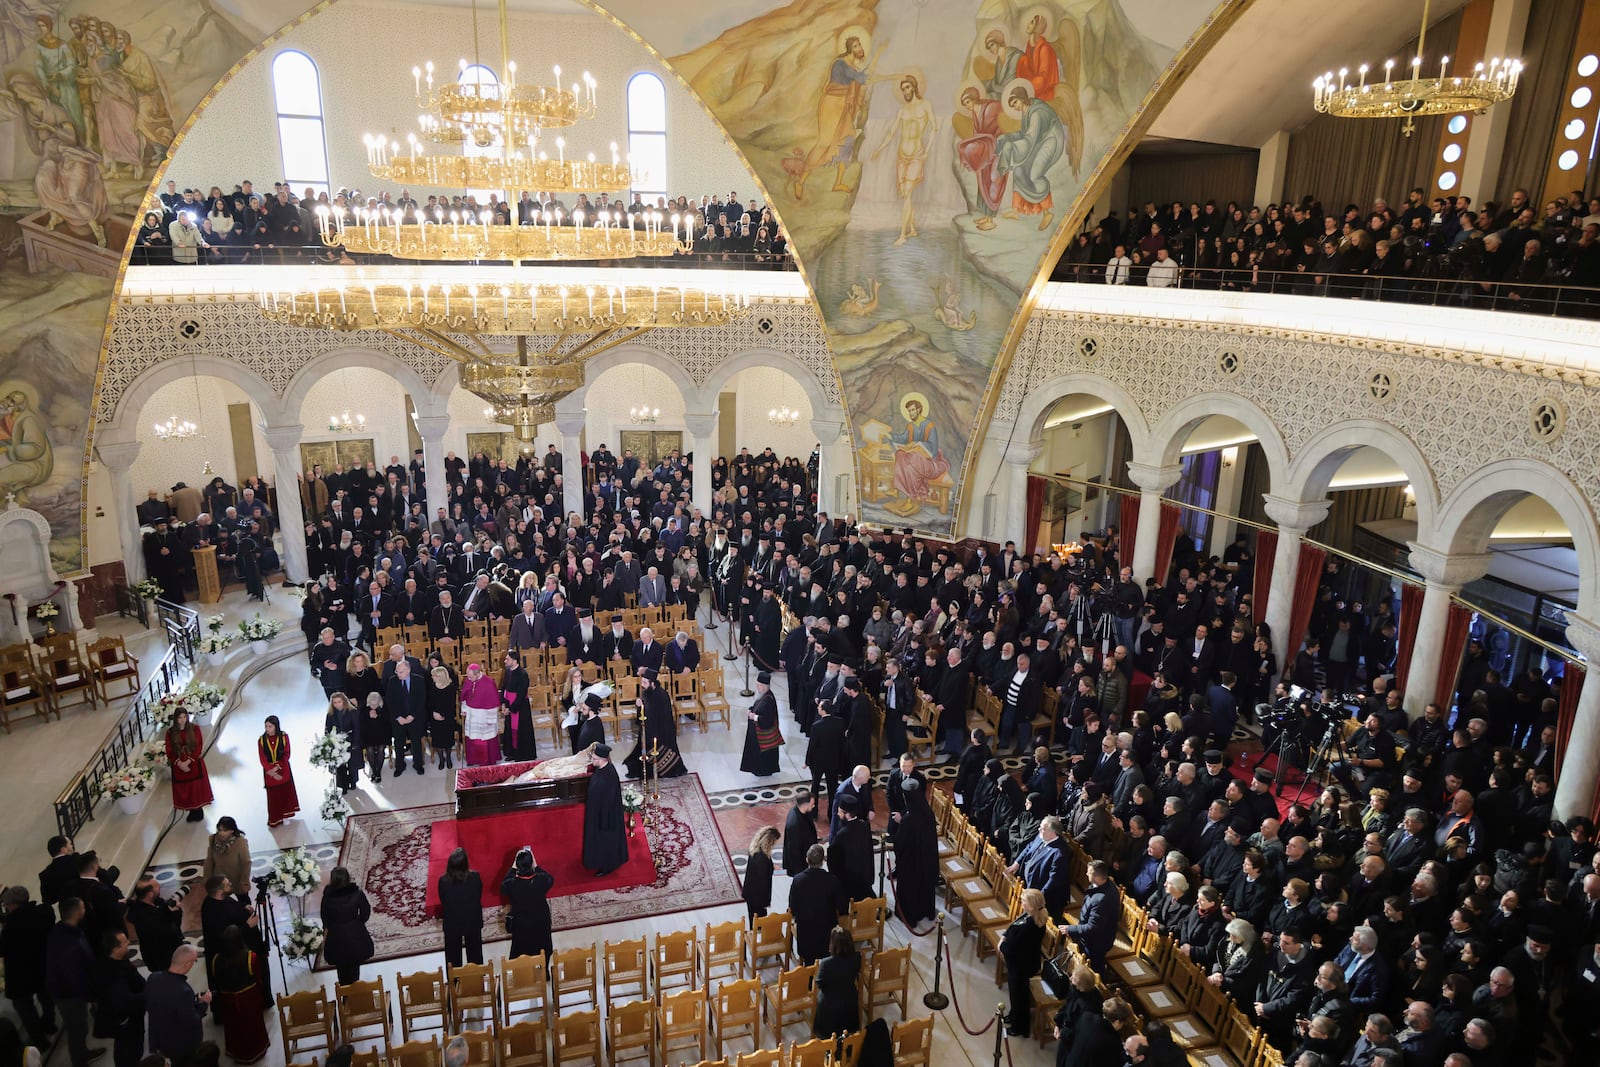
(591, 731)
(767, 630)
(916, 858)
(658, 733)
(762, 738)
(605, 834)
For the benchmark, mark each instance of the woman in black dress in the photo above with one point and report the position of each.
(461, 906)
(525, 890)
(757, 891)
(345, 716)
(444, 720)
(1022, 947)
(838, 1003)
(345, 911)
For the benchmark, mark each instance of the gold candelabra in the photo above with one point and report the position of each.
(555, 236)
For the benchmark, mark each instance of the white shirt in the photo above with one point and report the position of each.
(1163, 274)
(1117, 269)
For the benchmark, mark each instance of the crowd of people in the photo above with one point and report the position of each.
(1510, 255)
(190, 226)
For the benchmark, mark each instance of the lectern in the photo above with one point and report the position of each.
(205, 574)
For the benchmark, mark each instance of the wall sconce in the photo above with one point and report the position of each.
(1230, 456)
(1411, 495)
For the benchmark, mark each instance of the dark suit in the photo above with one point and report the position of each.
(527, 631)
(1016, 718)
(374, 618)
(1096, 928)
(646, 657)
(799, 834)
(406, 700)
(825, 755)
(678, 660)
(1369, 985)
(1044, 867)
(816, 900)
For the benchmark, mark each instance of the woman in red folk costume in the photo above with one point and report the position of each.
(191, 785)
(273, 748)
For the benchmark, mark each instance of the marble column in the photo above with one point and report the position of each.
(285, 444)
(1019, 456)
(569, 424)
(432, 428)
(118, 459)
(1445, 574)
(1152, 481)
(703, 443)
(827, 431)
(1581, 761)
(1293, 518)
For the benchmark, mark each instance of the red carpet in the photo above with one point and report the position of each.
(1244, 768)
(556, 835)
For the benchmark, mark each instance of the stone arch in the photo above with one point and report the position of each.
(422, 394)
(1470, 513)
(767, 357)
(621, 356)
(1172, 430)
(1042, 397)
(1319, 459)
(123, 426)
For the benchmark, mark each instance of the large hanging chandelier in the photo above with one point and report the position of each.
(1416, 95)
(559, 235)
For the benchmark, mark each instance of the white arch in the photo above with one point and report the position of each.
(1168, 436)
(767, 357)
(422, 395)
(1319, 460)
(1470, 514)
(621, 356)
(1041, 398)
(123, 427)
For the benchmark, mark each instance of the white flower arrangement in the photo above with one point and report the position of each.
(330, 751)
(148, 589)
(204, 697)
(632, 799)
(215, 622)
(47, 610)
(260, 628)
(334, 808)
(152, 755)
(128, 781)
(295, 873)
(213, 643)
(304, 941)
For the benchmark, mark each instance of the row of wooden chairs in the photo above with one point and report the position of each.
(41, 679)
(496, 632)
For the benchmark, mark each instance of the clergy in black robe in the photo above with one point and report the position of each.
(794, 649)
(658, 733)
(916, 857)
(799, 833)
(762, 737)
(860, 722)
(590, 731)
(165, 559)
(517, 738)
(605, 833)
(766, 631)
(850, 851)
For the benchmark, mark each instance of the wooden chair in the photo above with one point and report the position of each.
(850, 1049)
(964, 864)
(361, 1005)
(525, 1044)
(712, 1063)
(968, 892)
(575, 976)
(922, 733)
(110, 664)
(306, 1021)
(422, 996)
(631, 1030)
(771, 939)
(818, 1052)
(21, 688)
(624, 701)
(370, 1057)
(736, 1010)
(524, 979)
(723, 947)
(676, 962)
(546, 716)
(887, 980)
(481, 1046)
(683, 1022)
(417, 1054)
(1239, 1041)
(867, 919)
(714, 698)
(761, 1057)
(577, 1035)
(627, 970)
(686, 699)
(991, 917)
(473, 988)
(912, 1042)
(314, 1062)
(1146, 966)
(794, 994)
(1167, 1001)
(66, 672)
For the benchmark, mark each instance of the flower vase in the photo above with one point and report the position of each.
(151, 618)
(49, 630)
(633, 823)
(259, 648)
(133, 805)
(216, 658)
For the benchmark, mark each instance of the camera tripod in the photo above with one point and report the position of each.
(1330, 750)
(267, 928)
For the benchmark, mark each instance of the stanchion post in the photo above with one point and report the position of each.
(883, 859)
(747, 691)
(999, 1032)
(936, 999)
(730, 654)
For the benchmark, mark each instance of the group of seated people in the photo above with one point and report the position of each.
(1444, 248)
(237, 522)
(189, 227)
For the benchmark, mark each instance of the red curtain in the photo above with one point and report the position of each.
(1567, 710)
(1166, 538)
(1455, 643)
(1410, 612)
(1266, 556)
(1307, 578)
(1035, 512)
(1128, 520)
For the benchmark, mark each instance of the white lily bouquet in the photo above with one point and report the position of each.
(260, 628)
(295, 873)
(204, 697)
(334, 807)
(330, 751)
(47, 610)
(304, 940)
(632, 799)
(152, 755)
(148, 589)
(211, 644)
(214, 623)
(128, 781)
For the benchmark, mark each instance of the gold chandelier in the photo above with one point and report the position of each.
(1417, 95)
(559, 235)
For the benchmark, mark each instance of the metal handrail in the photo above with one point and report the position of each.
(275, 255)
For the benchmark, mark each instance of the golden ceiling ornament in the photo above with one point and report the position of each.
(448, 236)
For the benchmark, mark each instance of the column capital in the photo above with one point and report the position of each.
(1451, 571)
(1154, 479)
(570, 423)
(700, 425)
(118, 456)
(1022, 453)
(1584, 636)
(1295, 516)
(283, 438)
(432, 427)
(827, 431)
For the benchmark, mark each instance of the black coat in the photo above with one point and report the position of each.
(838, 1004)
(344, 915)
(799, 834)
(461, 904)
(825, 751)
(529, 916)
(23, 937)
(605, 838)
(757, 890)
(160, 930)
(850, 858)
(916, 862)
(174, 1015)
(816, 900)
(402, 702)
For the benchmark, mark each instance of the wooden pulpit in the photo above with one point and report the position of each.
(205, 573)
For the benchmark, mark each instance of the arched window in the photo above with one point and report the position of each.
(297, 93)
(488, 88)
(647, 134)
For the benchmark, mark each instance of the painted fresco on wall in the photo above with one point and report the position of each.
(91, 96)
(922, 156)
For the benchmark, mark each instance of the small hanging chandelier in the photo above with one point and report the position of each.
(641, 412)
(783, 415)
(344, 422)
(175, 429)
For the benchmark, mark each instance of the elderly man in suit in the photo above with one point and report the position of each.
(405, 700)
(652, 589)
(682, 655)
(1366, 973)
(1042, 865)
(527, 629)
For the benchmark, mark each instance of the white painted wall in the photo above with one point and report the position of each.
(365, 51)
(466, 416)
(371, 393)
(162, 464)
(760, 390)
(614, 391)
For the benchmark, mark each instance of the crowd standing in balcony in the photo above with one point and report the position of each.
(188, 226)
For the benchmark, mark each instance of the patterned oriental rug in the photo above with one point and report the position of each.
(389, 855)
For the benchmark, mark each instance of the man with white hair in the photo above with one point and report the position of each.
(1366, 974)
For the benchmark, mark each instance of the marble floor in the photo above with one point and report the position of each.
(38, 758)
